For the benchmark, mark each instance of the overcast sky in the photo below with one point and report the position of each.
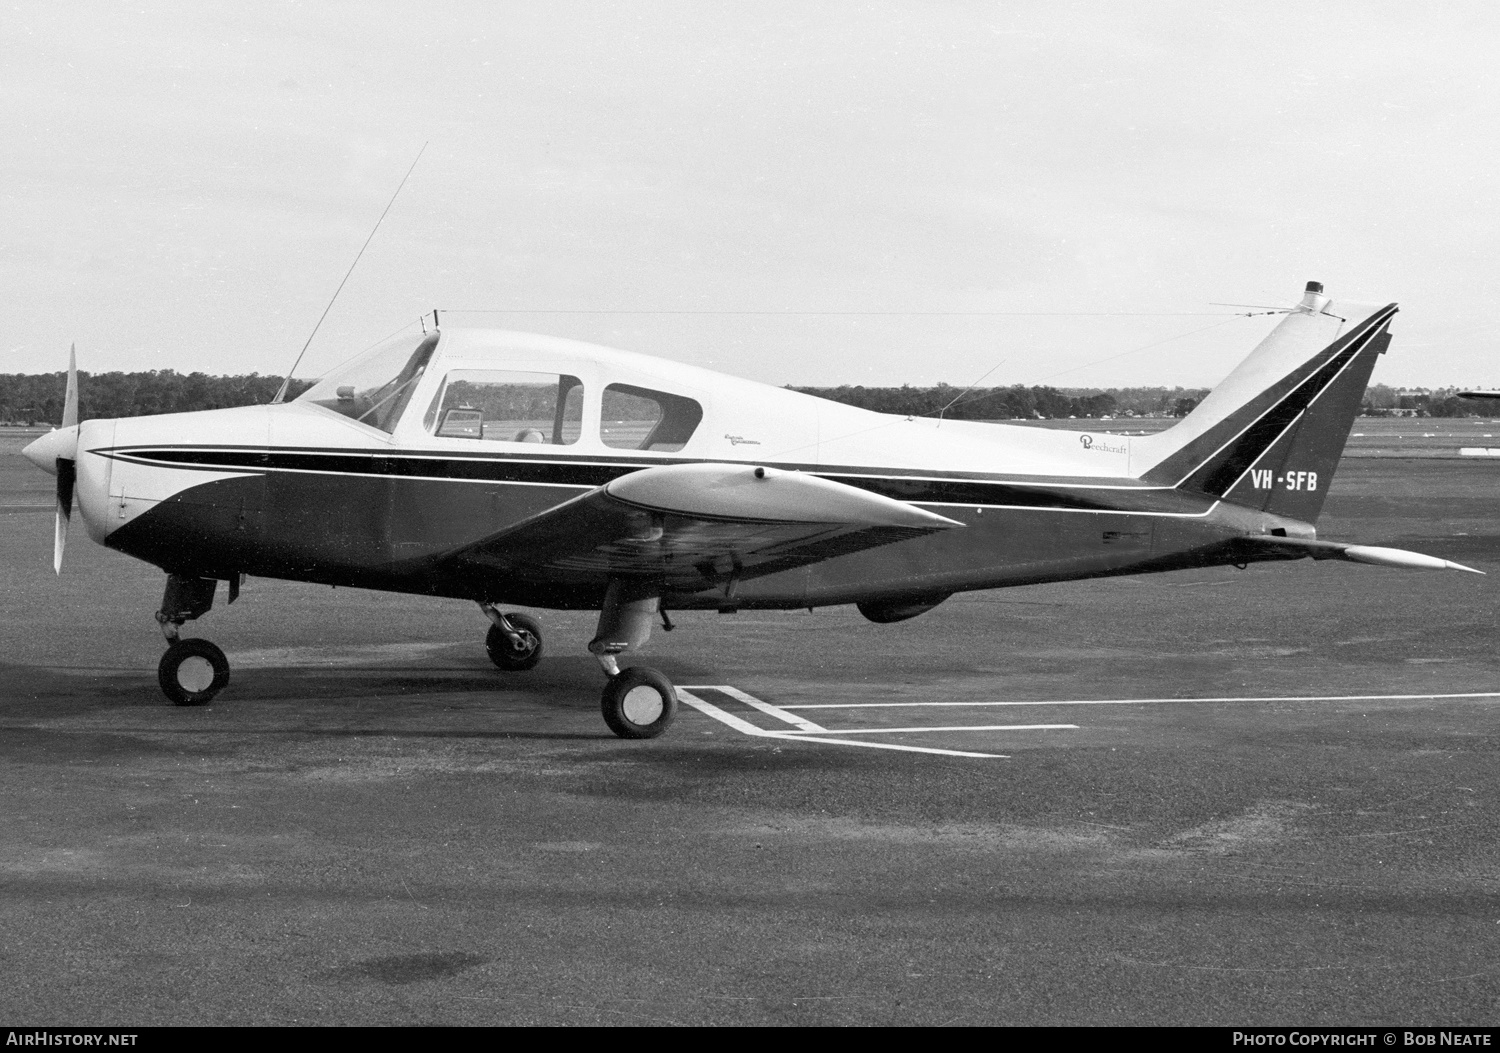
(183, 185)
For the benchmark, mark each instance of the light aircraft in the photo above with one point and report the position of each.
(513, 469)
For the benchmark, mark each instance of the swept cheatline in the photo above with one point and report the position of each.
(1144, 701)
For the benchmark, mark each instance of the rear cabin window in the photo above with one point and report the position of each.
(641, 419)
(501, 405)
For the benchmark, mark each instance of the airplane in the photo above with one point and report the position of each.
(512, 469)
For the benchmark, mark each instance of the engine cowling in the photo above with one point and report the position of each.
(883, 612)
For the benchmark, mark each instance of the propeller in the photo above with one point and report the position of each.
(67, 466)
(57, 453)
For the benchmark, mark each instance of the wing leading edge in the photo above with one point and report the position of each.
(691, 527)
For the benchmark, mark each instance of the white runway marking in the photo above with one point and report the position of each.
(770, 710)
(810, 732)
(965, 727)
(1147, 701)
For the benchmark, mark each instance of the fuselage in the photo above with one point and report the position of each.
(371, 483)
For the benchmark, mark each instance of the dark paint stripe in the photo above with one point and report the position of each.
(1216, 478)
(553, 473)
(455, 465)
(1193, 459)
(248, 456)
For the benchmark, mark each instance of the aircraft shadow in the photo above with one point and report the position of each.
(562, 683)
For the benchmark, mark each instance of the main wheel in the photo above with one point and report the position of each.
(515, 655)
(192, 672)
(639, 703)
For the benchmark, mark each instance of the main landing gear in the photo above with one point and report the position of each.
(514, 641)
(637, 702)
(191, 672)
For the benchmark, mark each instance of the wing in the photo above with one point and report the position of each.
(692, 527)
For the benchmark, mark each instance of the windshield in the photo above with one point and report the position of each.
(375, 387)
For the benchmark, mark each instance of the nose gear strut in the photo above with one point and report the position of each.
(191, 672)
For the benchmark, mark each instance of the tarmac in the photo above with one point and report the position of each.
(1216, 797)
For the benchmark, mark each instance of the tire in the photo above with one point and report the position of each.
(192, 672)
(505, 654)
(639, 703)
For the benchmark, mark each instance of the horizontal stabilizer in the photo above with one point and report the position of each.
(691, 527)
(1297, 548)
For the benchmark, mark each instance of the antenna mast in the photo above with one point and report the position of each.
(281, 394)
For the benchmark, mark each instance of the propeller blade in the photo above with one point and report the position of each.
(59, 540)
(67, 475)
(70, 400)
(67, 467)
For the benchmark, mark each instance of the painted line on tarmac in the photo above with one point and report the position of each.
(747, 728)
(963, 727)
(768, 709)
(1150, 701)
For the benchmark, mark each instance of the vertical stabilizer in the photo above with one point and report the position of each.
(1270, 436)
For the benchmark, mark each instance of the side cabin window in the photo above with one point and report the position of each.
(641, 419)
(508, 406)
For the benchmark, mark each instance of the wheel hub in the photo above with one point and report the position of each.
(195, 674)
(642, 705)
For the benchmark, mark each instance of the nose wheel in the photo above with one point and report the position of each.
(192, 672)
(639, 703)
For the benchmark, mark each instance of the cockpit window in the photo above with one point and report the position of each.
(508, 406)
(375, 387)
(641, 419)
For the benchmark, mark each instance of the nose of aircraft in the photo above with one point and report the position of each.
(44, 452)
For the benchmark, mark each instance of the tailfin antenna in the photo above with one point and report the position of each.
(286, 383)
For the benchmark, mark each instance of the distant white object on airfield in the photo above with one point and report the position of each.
(1479, 451)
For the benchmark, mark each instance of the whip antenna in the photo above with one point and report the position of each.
(281, 394)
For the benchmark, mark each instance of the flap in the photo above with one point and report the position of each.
(691, 527)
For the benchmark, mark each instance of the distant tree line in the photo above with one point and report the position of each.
(1384, 401)
(1016, 401)
(37, 398)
